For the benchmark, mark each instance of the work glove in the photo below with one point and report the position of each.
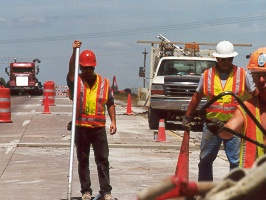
(215, 126)
(187, 122)
(69, 126)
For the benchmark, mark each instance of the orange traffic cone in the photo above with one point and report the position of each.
(5, 104)
(129, 109)
(46, 109)
(161, 131)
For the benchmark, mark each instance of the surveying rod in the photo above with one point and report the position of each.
(73, 128)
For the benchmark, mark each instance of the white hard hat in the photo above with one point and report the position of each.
(225, 49)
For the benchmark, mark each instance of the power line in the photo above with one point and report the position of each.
(148, 29)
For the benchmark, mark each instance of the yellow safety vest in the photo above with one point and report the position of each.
(91, 103)
(250, 152)
(224, 107)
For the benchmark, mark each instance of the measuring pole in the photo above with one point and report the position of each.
(73, 125)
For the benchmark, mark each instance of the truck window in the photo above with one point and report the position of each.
(184, 67)
(22, 69)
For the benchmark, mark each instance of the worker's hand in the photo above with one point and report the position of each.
(76, 44)
(69, 126)
(187, 122)
(112, 128)
(215, 126)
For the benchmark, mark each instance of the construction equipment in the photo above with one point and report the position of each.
(22, 77)
(174, 75)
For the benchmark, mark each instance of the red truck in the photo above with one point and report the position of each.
(22, 78)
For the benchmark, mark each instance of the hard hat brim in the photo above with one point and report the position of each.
(229, 55)
(257, 69)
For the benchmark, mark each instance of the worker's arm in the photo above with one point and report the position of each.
(250, 85)
(195, 100)
(236, 123)
(71, 69)
(111, 112)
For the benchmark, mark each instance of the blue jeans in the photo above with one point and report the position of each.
(210, 145)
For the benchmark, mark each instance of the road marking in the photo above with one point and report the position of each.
(52, 113)
(11, 145)
(29, 182)
(26, 122)
(37, 105)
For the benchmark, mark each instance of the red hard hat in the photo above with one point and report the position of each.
(87, 59)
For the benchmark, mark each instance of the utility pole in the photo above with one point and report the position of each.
(144, 66)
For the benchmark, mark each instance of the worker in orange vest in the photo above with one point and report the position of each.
(93, 95)
(222, 77)
(242, 123)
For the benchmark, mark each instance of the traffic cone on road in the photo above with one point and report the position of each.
(129, 109)
(46, 109)
(161, 131)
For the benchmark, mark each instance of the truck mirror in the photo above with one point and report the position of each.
(141, 72)
(7, 72)
(36, 60)
(37, 70)
(248, 56)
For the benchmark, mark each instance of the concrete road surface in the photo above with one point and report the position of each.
(34, 153)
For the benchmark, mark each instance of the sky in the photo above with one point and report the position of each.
(45, 29)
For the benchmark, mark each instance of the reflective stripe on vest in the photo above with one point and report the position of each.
(223, 108)
(250, 152)
(92, 114)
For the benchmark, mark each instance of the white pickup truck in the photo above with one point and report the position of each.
(174, 82)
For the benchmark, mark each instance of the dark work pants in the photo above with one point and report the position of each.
(84, 138)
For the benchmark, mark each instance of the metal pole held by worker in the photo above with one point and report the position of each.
(73, 125)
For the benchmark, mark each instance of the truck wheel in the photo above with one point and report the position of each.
(153, 118)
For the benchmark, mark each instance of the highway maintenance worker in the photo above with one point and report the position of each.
(224, 76)
(93, 94)
(242, 123)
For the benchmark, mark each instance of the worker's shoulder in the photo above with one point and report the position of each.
(102, 77)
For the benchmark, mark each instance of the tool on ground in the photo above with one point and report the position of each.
(73, 125)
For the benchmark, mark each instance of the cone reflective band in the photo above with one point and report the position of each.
(5, 112)
(49, 90)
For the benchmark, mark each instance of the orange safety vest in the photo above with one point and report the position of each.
(224, 107)
(91, 103)
(250, 152)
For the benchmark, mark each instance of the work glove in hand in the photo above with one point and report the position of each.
(215, 126)
(187, 122)
(69, 126)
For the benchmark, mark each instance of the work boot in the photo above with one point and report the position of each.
(108, 197)
(86, 196)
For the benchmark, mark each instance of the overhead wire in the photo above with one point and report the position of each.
(147, 29)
